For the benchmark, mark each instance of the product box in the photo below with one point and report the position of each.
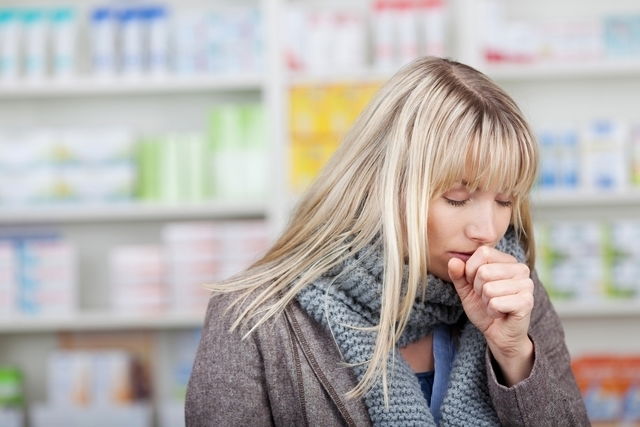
(635, 156)
(320, 117)
(138, 278)
(239, 156)
(610, 386)
(11, 388)
(47, 276)
(570, 259)
(207, 252)
(604, 156)
(621, 259)
(12, 399)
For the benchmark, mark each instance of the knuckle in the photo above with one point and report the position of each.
(530, 286)
(485, 272)
(484, 251)
(529, 300)
(488, 289)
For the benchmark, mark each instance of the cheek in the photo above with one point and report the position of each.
(503, 219)
(439, 225)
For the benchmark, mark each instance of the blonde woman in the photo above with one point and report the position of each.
(401, 293)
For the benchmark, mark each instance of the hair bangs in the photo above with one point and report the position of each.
(491, 154)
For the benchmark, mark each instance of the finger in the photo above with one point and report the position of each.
(518, 305)
(498, 271)
(456, 274)
(485, 255)
(501, 288)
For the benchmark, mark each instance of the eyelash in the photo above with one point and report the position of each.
(458, 203)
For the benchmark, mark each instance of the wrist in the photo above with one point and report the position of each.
(514, 361)
(512, 350)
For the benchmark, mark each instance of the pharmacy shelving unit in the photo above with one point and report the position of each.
(148, 105)
(546, 93)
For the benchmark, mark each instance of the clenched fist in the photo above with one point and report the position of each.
(497, 295)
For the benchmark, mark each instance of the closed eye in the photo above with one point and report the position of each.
(504, 203)
(456, 202)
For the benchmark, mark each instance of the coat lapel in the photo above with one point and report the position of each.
(322, 354)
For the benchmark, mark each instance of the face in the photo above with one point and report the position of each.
(460, 221)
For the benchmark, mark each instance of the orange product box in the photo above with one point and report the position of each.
(610, 386)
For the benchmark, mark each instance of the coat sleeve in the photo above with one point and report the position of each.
(227, 384)
(549, 396)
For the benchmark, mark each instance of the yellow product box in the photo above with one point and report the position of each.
(308, 156)
(308, 110)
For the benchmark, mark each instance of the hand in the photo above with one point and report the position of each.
(497, 296)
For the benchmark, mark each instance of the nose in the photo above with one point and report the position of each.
(481, 226)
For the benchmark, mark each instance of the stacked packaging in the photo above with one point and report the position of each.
(610, 386)
(38, 275)
(589, 261)
(138, 279)
(94, 387)
(228, 162)
(173, 275)
(73, 164)
(603, 155)
(320, 116)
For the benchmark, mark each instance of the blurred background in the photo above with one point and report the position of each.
(149, 147)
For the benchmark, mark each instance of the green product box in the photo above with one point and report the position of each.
(11, 383)
(148, 159)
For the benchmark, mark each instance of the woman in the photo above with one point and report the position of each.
(401, 292)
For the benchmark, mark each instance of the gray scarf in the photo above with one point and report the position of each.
(350, 295)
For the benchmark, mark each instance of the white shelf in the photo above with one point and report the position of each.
(362, 76)
(129, 212)
(604, 68)
(552, 199)
(99, 321)
(603, 309)
(128, 86)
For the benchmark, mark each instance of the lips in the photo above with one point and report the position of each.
(464, 256)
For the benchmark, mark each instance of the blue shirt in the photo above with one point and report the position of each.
(434, 384)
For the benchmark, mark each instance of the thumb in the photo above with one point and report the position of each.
(457, 276)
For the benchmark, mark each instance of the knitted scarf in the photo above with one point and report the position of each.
(350, 295)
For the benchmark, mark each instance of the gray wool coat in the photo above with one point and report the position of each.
(289, 373)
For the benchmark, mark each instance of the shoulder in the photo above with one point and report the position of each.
(223, 312)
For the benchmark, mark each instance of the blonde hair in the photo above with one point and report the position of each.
(433, 124)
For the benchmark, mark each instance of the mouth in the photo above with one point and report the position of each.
(464, 256)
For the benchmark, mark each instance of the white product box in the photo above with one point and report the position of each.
(604, 157)
(48, 276)
(138, 278)
(575, 239)
(69, 379)
(111, 378)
